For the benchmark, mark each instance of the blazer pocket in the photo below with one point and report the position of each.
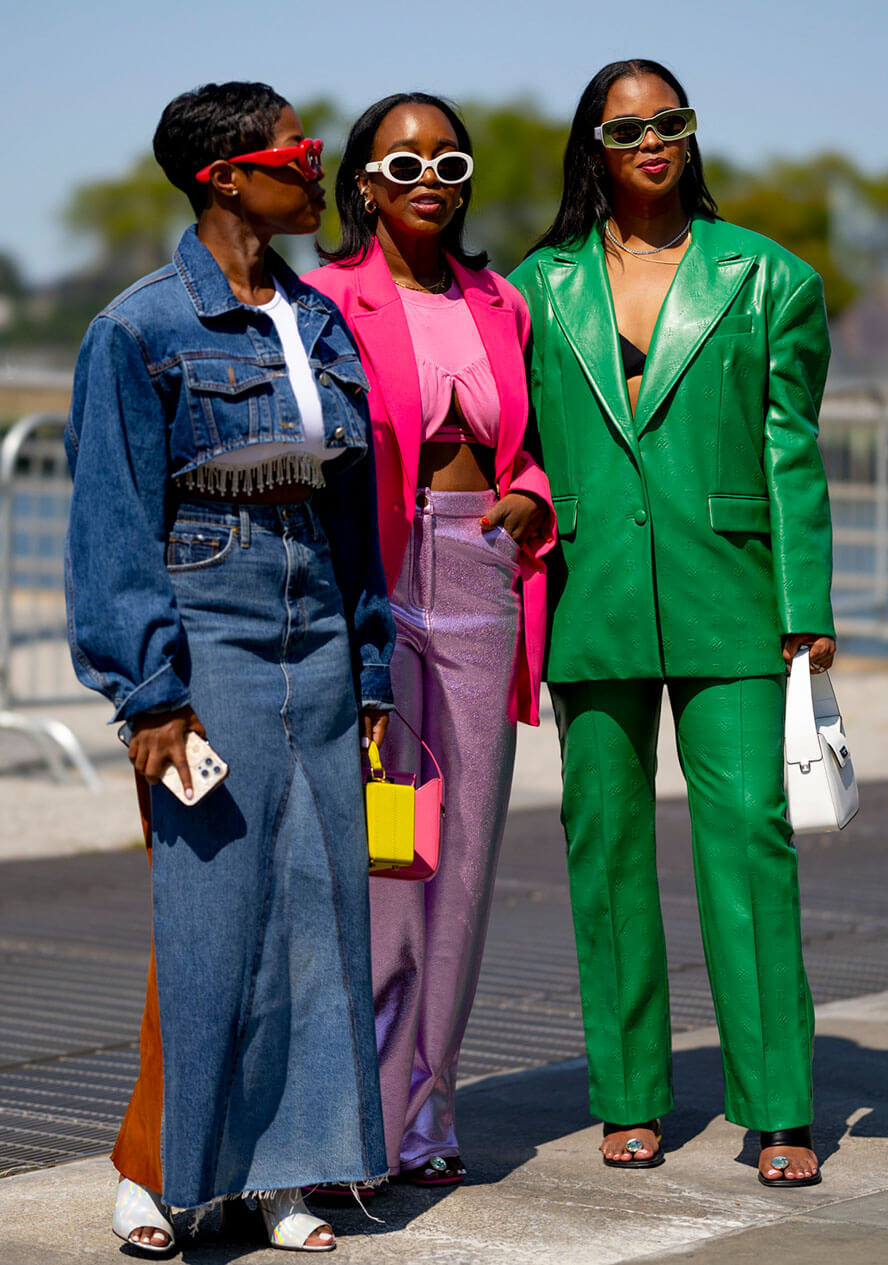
(740, 513)
(566, 514)
(740, 323)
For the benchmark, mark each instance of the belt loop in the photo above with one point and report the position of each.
(245, 527)
(312, 520)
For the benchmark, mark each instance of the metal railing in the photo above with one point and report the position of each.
(854, 443)
(35, 493)
(35, 667)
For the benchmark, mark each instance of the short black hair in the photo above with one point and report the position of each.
(358, 228)
(217, 120)
(586, 200)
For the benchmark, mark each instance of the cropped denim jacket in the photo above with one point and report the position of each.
(173, 372)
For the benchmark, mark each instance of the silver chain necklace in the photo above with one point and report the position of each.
(656, 250)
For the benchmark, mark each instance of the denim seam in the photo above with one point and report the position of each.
(359, 1079)
(166, 668)
(134, 334)
(210, 1175)
(101, 679)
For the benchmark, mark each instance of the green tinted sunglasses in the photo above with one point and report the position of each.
(626, 133)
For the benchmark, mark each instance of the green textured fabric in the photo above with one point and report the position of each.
(730, 740)
(696, 533)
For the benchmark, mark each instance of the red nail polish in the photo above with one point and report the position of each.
(486, 522)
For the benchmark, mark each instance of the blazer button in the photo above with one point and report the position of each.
(324, 379)
(339, 432)
(641, 517)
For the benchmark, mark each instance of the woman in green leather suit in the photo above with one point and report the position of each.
(677, 368)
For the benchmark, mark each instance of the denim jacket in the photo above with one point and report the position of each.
(173, 372)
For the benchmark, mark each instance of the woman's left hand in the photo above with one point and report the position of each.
(374, 724)
(823, 649)
(521, 514)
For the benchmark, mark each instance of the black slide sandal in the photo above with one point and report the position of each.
(799, 1136)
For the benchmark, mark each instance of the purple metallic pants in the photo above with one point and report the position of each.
(456, 609)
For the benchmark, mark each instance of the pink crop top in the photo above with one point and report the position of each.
(451, 357)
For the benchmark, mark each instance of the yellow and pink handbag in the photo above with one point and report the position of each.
(403, 820)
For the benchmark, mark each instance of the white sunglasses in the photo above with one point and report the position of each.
(405, 168)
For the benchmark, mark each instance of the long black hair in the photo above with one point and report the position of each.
(217, 120)
(586, 200)
(358, 227)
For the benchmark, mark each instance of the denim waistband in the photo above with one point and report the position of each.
(275, 518)
(454, 504)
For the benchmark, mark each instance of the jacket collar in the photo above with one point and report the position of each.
(207, 286)
(705, 283)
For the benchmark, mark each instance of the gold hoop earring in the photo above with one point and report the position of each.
(369, 206)
(687, 157)
(459, 204)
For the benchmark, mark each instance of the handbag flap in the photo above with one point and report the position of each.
(831, 732)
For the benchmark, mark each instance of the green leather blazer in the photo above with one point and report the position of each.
(695, 533)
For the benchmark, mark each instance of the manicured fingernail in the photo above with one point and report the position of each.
(189, 794)
(485, 522)
(365, 743)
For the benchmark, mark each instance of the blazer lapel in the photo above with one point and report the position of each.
(580, 294)
(705, 283)
(381, 328)
(495, 322)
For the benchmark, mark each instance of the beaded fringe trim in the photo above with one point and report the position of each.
(275, 473)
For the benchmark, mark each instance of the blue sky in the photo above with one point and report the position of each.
(82, 86)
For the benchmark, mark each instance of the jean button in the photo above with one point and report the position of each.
(324, 379)
(339, 432)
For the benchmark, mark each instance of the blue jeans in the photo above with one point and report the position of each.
(261, 920)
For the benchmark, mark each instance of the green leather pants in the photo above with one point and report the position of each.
(730, 742)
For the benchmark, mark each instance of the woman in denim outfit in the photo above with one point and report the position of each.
(224, 577)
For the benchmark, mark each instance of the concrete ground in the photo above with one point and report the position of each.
(538, 1190)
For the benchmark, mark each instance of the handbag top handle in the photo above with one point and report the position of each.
(404, 721)
(806, 695)
(377, 772)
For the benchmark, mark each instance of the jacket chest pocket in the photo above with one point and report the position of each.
(343, 389)
(233, 399)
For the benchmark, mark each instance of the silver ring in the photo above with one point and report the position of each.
(633, 1145)
(780, 1162)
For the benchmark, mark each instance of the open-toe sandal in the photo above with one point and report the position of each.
(799, 1136)
(290, 1224)
(635, 1144)
(137, 1208)
(438, 1170)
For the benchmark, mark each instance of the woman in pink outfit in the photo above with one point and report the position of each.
(465, 519)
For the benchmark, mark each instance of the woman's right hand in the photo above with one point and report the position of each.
(159, 739)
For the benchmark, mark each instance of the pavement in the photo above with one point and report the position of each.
(537, 1188)
(539, 1192)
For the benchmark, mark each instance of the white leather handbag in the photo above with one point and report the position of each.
(821, 792)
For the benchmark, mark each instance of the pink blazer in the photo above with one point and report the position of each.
(368, 299)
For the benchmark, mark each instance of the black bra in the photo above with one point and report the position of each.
(633, 358)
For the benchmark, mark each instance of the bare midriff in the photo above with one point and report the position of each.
(454, 467)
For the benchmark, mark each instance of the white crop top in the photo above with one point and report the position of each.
(271, 464)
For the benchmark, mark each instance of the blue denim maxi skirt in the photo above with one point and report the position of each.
(261, 923)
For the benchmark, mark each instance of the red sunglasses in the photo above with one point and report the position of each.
(306, 155)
